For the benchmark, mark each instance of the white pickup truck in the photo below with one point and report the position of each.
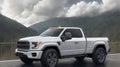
(59, 42)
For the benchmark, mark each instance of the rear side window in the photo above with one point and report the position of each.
(76, 33)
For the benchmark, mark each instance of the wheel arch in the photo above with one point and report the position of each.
(52, 47)
(99, 46)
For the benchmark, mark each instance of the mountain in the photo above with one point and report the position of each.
(11, 30)
(107, 24)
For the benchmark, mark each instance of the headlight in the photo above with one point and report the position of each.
(36, 44)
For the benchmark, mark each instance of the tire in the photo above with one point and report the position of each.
(49, 58)
(81, 58)
(26, 60)
(99, 56)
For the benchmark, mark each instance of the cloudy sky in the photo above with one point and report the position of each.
(28, 12)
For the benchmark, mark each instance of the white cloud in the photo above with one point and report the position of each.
(83, 8)
(1, 1)
(49, 7)
(29, 12)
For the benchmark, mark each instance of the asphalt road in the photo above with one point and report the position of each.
(111, 61)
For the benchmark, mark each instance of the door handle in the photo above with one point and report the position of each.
(76, 42)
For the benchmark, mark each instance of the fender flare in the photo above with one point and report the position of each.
(99, 44)
(51, 45)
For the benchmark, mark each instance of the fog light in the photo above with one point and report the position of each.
(34, 54)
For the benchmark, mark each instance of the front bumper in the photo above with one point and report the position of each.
(31, 54)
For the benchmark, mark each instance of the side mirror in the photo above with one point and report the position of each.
(66, 36)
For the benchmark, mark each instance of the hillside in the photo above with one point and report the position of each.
(11, 30)
(107, 24)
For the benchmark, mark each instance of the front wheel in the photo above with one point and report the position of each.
(99, 55)
(49, 58)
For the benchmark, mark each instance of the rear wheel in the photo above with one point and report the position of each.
(49, 58)
(99, 55)
(26, 60)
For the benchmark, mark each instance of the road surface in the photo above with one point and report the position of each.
(112, 60)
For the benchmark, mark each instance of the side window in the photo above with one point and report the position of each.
(75, 32)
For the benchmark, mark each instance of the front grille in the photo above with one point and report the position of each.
(23, 45)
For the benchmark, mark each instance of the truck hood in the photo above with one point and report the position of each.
(40, 38)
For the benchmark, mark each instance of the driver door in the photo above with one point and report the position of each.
(73, 46)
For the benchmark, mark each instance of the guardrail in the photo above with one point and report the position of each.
(115, 47)
(7, 50)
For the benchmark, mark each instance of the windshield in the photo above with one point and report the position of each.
(53, 32)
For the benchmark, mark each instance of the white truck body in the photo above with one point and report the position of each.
(71, 47)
